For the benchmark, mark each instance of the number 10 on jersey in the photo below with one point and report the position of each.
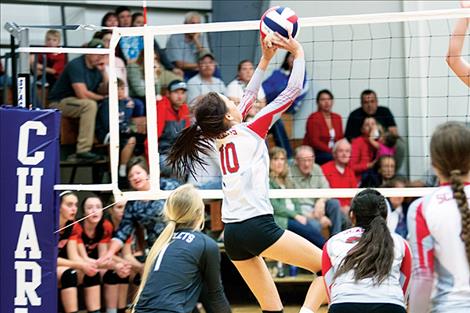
(228, 158)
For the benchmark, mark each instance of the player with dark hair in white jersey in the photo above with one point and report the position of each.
(439, 228)
(250, 230)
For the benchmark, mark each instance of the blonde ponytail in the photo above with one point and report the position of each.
(184, 208)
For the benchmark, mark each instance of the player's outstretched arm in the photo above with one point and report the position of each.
(458, 65)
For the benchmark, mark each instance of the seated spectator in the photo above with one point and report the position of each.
(338, 172)
(383, 116)
(305, 174)
(172, 117)
(130, 142)
(287, 212)
(236, 88)
(385, 145)
(397, 208)
(110, 19)
(82, 84)
(129, 47)
(4, 77)
(205, 81)
(138, 19)
(384, 170)
(136, 77)
(184, 49)
(363, 153)
(94, 235)
(54, 62)
(272, 87)
(70, 267)
(324, 128)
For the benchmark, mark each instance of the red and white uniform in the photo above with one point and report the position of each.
(434, 224)
(344, 289)
(244, 158)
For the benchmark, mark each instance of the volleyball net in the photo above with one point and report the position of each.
(400, 56)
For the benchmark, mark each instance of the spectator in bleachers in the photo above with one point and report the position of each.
(124, 16)
(338, 172)
(136, 77)
(386, 144)
(184, 49)
(129, 47)
(93, 237)
(236, 88)
(147, 214)
(82, 84)
(205, 81)
(130, 141)
(54, 62)
(323, 128)
(287, 212)
(118, 296)
(73, 270)
(110, 19)
(383, 116)
(272, 87)
(4, 77)
(384, 170)
(306, 174)
(138, 19)
(397, 208)
(172, 117)
(363, 153)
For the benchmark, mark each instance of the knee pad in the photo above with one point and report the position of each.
(110, 277)
(90, 281)
(69, 279)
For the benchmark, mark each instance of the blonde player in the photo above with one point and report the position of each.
(250, 230)
(439, 228)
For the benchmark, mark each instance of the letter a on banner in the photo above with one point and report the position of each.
(29, 165)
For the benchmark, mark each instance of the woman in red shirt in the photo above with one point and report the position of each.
(324, 128)
(363, 153)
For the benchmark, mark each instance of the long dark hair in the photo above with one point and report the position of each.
(209, 114)
(372, 257)
(450, 155)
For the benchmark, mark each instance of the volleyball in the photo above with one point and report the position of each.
(279, 19)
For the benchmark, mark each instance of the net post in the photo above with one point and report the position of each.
(113, 113)
(150, 99)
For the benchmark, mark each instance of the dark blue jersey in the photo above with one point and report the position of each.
(189, 263)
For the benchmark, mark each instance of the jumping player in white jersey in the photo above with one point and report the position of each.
(250, 230)
(439, 228)
(366, 268)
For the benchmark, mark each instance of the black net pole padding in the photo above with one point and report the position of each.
(24, 87)
(13, 70)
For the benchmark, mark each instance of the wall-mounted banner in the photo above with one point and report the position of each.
(29, 164)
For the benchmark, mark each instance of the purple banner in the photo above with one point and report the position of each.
(29, 164)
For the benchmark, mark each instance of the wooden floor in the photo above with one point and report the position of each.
(255, 309)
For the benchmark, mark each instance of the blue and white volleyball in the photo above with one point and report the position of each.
(281, 20)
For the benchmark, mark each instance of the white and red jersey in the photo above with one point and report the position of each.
(243, 155)
(435, 224)
(344, 288)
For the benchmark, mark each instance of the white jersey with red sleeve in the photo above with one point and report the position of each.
(434, 224)
(243, 155)
(344, 288)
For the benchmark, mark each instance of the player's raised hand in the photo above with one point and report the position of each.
(267, 50)
(465, 4)
(290, 44)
